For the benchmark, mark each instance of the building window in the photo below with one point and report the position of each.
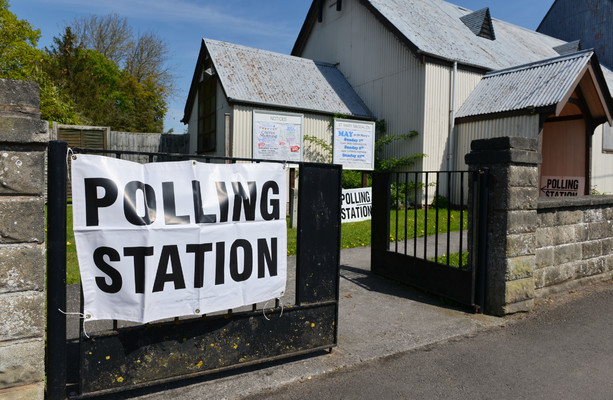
(206, 114)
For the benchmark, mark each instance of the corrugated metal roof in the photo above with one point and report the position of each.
(262, 77)
(435, 28)
(525, 87)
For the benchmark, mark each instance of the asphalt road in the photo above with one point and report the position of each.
(562, 350)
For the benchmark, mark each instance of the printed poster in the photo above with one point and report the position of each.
(171, 239)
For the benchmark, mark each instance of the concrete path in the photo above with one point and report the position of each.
(378, 318)
(561, 350)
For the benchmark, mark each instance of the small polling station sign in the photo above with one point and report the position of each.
(356, 205)
(170, 239)
(559, 186)
(354, 144)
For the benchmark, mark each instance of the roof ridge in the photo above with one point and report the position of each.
(561, 58)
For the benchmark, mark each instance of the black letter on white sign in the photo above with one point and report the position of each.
(129, 203)
(115, 285)
(92, 202)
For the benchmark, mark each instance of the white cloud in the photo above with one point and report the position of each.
(211, 16)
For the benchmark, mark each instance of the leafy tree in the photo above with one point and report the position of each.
(21, 60)
(104, 94)
(144, 56)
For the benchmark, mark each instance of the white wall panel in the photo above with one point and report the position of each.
(380, 68)
(602, 163)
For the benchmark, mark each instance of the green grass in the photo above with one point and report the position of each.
(353, 234)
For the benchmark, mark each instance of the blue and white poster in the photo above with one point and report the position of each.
(354, 144)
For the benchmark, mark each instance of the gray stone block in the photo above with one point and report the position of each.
(546, 219)
(21, 363)
(519, 290)
(591, 267)
(607, 246)
(564, 235)
(23, 315)
(35, 391)
(539, 278)
(591, 249)
(565, 217)
(22, 268)
(544, 237)
(593, 215)
(522, 306)
(22, 220)
(599, 230)
(522, 221)
(543, 257)
(522, 176)
(22, 172)
(20, 97)
(520, 245)
(567, 253)
(520, 268)
(558, 274)
(581, 232)
(23, 130)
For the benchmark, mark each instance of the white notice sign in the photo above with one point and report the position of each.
(169, 239)
(354, 144)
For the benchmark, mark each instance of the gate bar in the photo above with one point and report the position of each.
(56, 365)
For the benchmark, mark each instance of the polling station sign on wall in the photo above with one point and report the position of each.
(356, 205)
(182, 238)
(277, 136)
(561, 186)
(354, 144)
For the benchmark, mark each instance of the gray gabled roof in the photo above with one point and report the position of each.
(259, 77)
(538, 87)
(434, 28)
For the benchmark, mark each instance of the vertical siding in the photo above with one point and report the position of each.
(319, 126)
(602, 163)
(439, 81)
(242, 128)
(383, 72)
(523, 125)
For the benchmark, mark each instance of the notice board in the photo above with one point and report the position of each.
(354, 144)
(277, 135)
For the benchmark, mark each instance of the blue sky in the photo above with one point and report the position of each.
(266, 24)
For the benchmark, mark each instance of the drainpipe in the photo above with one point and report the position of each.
(450, 151)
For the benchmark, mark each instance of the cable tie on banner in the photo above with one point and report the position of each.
(284, 164)
(80, 315)
(280, 303)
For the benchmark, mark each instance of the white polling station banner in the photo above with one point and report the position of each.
(170, 239)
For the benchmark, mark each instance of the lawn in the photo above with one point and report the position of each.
(353, 234)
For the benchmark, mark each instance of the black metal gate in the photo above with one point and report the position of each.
(405, 250)
(123, 356)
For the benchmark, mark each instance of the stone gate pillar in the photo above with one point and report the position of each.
(23, 140)
(512, 213)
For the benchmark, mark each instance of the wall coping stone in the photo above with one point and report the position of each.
(506, 142)
(503, 156)
(545, 203)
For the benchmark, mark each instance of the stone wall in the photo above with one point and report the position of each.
(537, 246)
(574, 242)
(23, 140)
